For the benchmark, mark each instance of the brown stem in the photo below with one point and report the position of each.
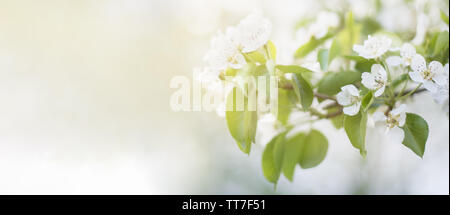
(323, 96)
(416, 92)
(325, 116)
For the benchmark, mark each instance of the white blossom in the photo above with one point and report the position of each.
(251, 33)
(373, 47)
(407, 53)
(208, 78)
(224, 54)
(350, 99)
(441, 96)
(227, 49)
(376, 80)
(432, 76)
(394, 120)
(325, 20)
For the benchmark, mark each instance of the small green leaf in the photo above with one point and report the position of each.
(293, 149)
(364, 66)
(241, 121)
(367, 101)
(370, 26)
(272, 158)
(444, 17)
(284, 106)
(322, 56)
(294, 69)
(338, 121)
(307, 150)
(416, 133)
(272, 50)
(441, 43)
(355, 127)
(312, 44)
(335, 50)
(257, 57)
(314, 149)
(303, 90)
(331, 83)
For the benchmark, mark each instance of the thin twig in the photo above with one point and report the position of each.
(324, 96)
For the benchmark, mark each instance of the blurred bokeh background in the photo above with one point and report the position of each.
(84, 91)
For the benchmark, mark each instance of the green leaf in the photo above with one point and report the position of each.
(307, 150)
(338, 121)
(303, 90)
(441, 43)
(312, 44)
(257, 57)
(314, 149)
(364, 66)
(367, 101)
(355, 127)
(370, 26)
(293, 149)
(272, 50)
(331, 83)
(344, 41)
(323, 57)
(306, 73)
(240, 120)
(272, 158)
(416, 133)
(444, 17)
(335, 50)
(284, 106)
(294, 69)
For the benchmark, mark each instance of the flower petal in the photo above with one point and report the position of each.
(416, 77)
(441, 79)
(394, 60)
(436, 67)
(398, 134)
(430, 86)
(379, 116)
(380, 91)
(379, 72)
(400, 109)
(418, 63)
(368, 80)
(344, 98)
(353, 109)
(402, 119)
(351, 89)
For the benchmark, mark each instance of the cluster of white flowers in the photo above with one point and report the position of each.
(227, 51)
(434, 77)
(227, 48)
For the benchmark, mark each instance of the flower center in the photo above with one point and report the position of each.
(354, 99)
(232, 60)
(380, 83)
(427, 74)
(392, 121)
